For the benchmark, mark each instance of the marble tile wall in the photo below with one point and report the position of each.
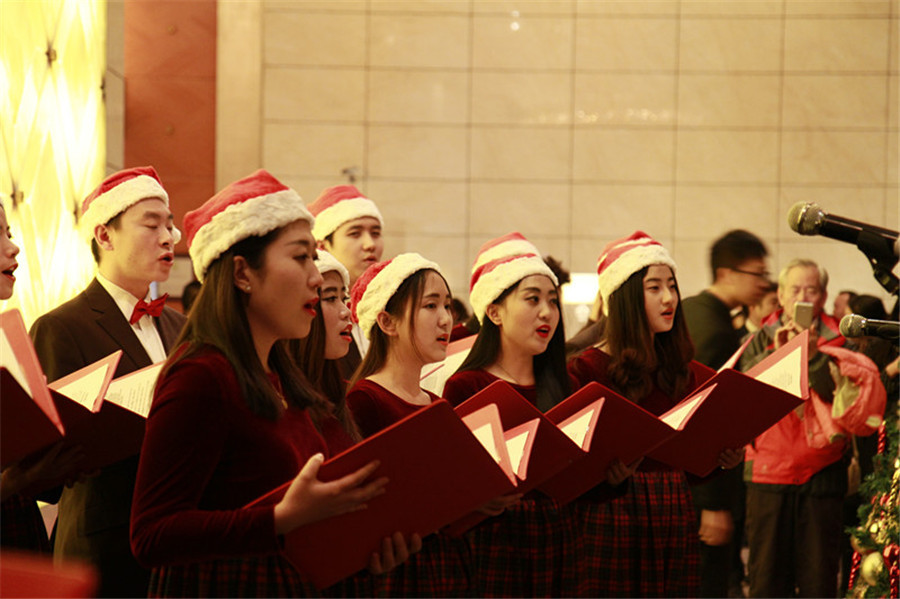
(578, 121)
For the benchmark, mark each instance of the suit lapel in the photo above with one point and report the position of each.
(111, 320)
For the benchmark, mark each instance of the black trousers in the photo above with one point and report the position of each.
(795, 543)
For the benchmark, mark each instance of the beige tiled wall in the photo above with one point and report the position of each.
(579, 121)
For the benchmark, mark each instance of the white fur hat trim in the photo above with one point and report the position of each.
(325, 262)
(255, 216)
(328, 220)
(492, 283)
(385, 284)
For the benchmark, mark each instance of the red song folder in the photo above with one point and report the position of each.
(733, 408)
(437, 472)
(607, 427)
(103, 416)
(29, 420)
(539, 448)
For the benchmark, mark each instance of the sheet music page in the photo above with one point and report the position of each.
(135, 391)
(8, 361)
(785, 374)
(485, 436)
(677, 415)
(515, 446)
(86, 389)
(578, 426)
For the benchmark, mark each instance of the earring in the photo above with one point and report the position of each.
(247, 288)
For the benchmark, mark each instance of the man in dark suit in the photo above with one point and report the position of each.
(349, 227)
(132, 238)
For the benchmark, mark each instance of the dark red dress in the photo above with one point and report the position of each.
(643, 543)
(443, 567)
(532, 548)
(205, 456)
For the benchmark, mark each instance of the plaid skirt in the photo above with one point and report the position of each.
(256, 576)
(530, 550)
(441, 569)
(643, 544)
(361, 584)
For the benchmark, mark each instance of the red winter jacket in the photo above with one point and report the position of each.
(800, 445)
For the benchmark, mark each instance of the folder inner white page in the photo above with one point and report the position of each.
(485, 436)
(577, 428)
(85, 389)
(677, 415)
(516, 448)
(785, 374)
(135, 391)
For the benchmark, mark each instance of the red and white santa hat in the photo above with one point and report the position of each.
(325, 262)
(249, 207)
(378, 284)
(623, 257)
(119, 192)
(505, 245)
(500, 264)
(338, 205)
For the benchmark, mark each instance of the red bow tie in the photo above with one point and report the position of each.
(154, 308)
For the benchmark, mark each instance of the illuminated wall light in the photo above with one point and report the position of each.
(53, 134)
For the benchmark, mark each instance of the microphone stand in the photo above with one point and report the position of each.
(882, 258)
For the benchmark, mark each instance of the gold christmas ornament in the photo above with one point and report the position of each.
(871, 568)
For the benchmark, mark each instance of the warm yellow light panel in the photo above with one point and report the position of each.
(53, 134)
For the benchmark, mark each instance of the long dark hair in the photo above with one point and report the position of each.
(550, 377)
(218, 318)
(323, 374)
(640, 358)
(400, 306)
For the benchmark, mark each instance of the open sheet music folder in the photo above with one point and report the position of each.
(437, 472)
(86, 408)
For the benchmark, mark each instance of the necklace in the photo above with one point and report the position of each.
(508, 375)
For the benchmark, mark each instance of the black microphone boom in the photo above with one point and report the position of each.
(854, 325)
(881, 246)
(807, 218)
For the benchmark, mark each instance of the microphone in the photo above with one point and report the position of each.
(854, 325)
(807, 218)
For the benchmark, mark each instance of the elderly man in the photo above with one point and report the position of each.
(796, 472)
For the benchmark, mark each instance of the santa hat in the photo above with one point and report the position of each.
(510, 244)
(378, 284)
(624, 257)
(338, 205)
(119, 192)
(491, 277)
(249, 207)
(325, 262)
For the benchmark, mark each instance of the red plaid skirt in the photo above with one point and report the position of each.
(643, 544)
(530, 550)
(262, 576)
(441, 569)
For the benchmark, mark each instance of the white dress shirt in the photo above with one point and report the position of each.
(144, 328)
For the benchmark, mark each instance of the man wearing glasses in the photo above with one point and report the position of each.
(740, 278)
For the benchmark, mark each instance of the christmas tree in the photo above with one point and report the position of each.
(876, 561)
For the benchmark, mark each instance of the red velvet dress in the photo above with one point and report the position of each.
(443, 567)
(205, 456)
(646, 540)
(532, 548)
